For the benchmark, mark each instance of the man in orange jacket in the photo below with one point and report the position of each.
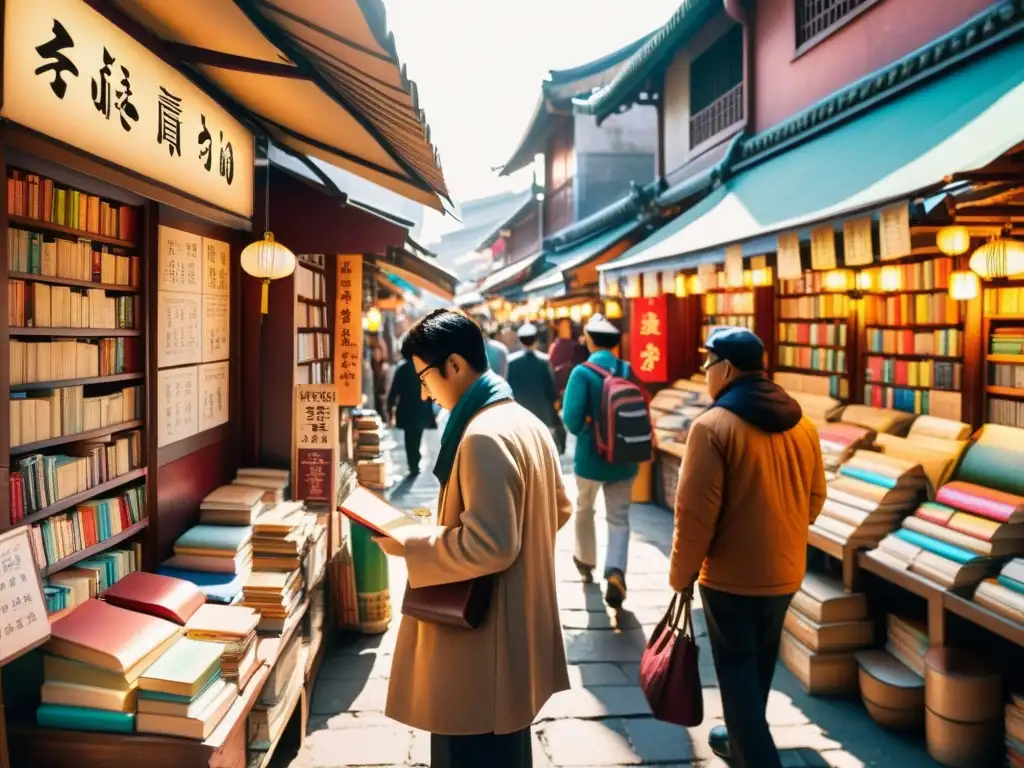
(747, 546)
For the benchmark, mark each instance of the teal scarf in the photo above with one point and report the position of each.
(489, 389)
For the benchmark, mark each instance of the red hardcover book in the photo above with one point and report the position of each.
(162, 596)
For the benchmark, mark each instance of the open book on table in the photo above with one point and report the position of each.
(369, 509)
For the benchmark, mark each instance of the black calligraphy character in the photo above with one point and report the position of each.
(205, 144)
(60, 63)
(169, 121)
(124, 106)
(227, 160)
(101, 87)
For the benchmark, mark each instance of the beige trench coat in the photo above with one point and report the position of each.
(499, 513)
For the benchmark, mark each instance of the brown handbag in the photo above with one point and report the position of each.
(461, 604)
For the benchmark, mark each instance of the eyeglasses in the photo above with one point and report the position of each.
(712, 363)
(428, 369)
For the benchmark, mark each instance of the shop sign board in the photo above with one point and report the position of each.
(648, 343)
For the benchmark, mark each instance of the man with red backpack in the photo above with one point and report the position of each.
(607, 411)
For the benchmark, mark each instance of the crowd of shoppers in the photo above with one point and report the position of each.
(750, 484)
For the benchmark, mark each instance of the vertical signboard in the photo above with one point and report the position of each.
(648, 348)
(348, 331)
(315, 444)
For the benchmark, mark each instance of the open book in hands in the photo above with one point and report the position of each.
(369, 509)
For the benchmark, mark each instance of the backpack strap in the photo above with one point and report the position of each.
(604, 374)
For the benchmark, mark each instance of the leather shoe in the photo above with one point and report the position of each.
(718, 740)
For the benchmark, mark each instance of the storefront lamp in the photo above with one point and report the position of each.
(696, 285)
(373, 319)
(890, 279)
(839, 280)
(865, 280)
(575, 313)
(762, 276)
(999, 257)
(267, 260)
(953, 240)
(964, 285)
(612, 310)
(680, 286)
(587, 310)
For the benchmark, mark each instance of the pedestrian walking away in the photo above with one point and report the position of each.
(502, 501)
(747, 547)
(409, 411)
(529, 375)
(583, 409)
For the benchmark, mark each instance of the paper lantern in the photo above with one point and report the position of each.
(891, 279)
(372, 320)
(561, 313)
(696, 285)
(587, 310)
(575, 314)
(839, 280)
(680, 286)
(612, 310)
(964, 285)
(999, 257)
(762, 276)
(953, 240)
(267, 260)
(865, 280)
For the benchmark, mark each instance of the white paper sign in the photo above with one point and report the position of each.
(23, 621)
(857, 250)
(734, 265)
(788, 251)
(179, 330)
(216, 328)
(894, 231)
(216, 267)
(823, 248)
(178, 416)
(213, 395)
(72, 74)
(180, 261)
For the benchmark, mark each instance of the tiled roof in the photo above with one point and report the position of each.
(689, 17)
(639, 201)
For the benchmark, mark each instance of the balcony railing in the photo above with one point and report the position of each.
(723, 112)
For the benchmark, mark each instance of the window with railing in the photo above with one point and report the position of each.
(716, 87)
(816, 18)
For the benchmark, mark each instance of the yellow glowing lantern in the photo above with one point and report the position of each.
(372, 320)
(761, 276)
(575, 313)
(267, 260)
(680, 287)
(551, 313)
(999, 257)
(891, 279)
(696, 285)
(612, 310)
(839, 280)
(964, 285)
(953, 240)
(865, 280)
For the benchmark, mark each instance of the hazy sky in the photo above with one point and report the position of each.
(479, 65)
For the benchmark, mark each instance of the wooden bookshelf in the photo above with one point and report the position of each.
(78, 437)
(34, 278)
(1003, 337)
(75, 333)
(112, 379)
(102, 546)
(79, 498)
(25, 222)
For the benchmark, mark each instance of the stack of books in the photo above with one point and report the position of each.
(824, 626)
(867, 499)
(281, 536)
(1015, 731)
(231, 505)
(372, 463)
(907, 641)
(235, 627)
(273, 482)
(94, 659)
(215, 548)
(1005, 594)
(957, 540)
(276, 595)
(183, 694)
(839, 442)
(277, 699)
(89, 578)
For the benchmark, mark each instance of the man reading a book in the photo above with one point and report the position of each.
(750, 485)
(502, 501)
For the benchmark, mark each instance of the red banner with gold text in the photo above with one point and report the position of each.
(648, 341)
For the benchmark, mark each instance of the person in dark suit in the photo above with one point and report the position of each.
(529, 375)
(409, 411)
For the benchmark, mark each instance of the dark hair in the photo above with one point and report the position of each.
(443, 333)
(604, 340)
(527, 341)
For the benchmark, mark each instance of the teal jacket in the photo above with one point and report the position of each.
(581, 406)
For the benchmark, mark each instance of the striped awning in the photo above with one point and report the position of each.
(321, 77)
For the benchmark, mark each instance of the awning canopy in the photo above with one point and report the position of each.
(319, 76)
(469, 299)
(516, 272)
(551, 284)
(895, 150)
(420, 271)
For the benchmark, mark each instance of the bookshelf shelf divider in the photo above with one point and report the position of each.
(78, 437)
(113, 379)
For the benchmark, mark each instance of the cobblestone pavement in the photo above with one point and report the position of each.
(604, 720)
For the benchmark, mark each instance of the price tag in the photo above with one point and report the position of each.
(857, 248)
(788, 252)
(823, 248)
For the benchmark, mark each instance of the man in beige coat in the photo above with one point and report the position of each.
(502, 502)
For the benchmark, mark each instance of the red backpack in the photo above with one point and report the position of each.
(623, 432)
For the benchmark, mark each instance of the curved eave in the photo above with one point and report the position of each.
(634, 75)
(532, 141)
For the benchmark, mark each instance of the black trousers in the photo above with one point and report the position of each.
(413, 440)
(745, 633)
(485, 750)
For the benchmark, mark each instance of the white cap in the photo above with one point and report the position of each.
(598, 324)
(527, 330)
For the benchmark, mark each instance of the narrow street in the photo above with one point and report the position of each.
(604, 720)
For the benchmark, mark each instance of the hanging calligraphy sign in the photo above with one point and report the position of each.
(71, 74)
(315, 457)
(348, 331)
(648, 339)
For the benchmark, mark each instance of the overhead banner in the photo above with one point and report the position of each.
(648, 339)
(71, 74)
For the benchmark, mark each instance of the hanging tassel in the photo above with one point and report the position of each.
(264, 299)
